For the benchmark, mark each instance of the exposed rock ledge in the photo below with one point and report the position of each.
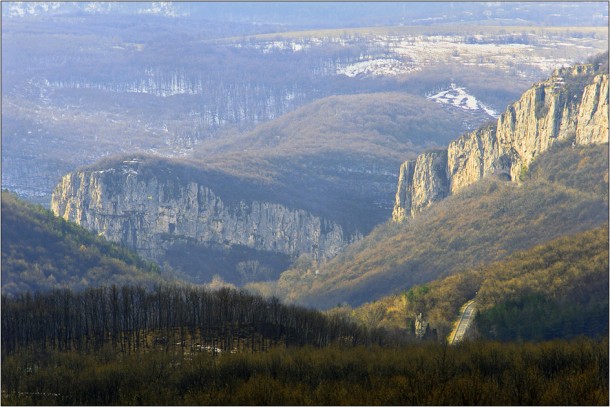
(148, 210)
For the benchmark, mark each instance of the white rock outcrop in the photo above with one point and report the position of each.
(148, 213)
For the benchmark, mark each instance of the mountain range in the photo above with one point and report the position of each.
(284, 192)
(299, 204)
(82, 85)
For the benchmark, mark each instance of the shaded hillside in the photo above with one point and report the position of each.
(384, 124)
(484, 223)
(342, 151)
(41, 251)
(310, 182)
(555, 290)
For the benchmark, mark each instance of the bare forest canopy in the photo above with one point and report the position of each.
(481, 373)
(132, 319)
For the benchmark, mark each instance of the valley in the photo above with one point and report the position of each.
(150, 96)
(304, 203)
(483, 224)
(289, 189)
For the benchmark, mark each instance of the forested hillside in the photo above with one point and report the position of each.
(339, 154)
(80, 85)
(284, 203)
(390, 123)
(558, 290)
(484, 223)
(555, 290)
(41, 252)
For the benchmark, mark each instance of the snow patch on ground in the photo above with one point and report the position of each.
(163, 8)
(459, 97)
(22, 9)
(375, 67)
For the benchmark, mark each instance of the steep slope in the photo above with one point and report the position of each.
(557, 290)
(244, 207)
(571, 105)
(482, 223)
(42, 252)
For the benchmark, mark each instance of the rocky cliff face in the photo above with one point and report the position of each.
(151, 210)
(421, 182)
(593, 113)
(571, 105)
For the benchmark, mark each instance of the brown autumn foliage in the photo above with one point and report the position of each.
(481, 373)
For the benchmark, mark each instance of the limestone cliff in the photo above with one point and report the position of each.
(570, 106)
(150, 209)
(421, 182)
(593, 113)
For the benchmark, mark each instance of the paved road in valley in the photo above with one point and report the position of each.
(465, 321)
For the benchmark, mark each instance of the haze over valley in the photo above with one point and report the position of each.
(85, 83)
(305, 203)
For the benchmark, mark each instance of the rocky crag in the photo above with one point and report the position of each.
(150, 204)
(571, 106)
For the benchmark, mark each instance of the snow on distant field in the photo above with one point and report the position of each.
(459, 97)
(375, 67)
(519, 53)
(164, 8)
(22, 9)
(282, 46)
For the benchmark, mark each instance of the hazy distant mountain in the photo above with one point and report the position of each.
(83, 81)
(336, 14)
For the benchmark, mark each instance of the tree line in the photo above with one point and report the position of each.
(133, 319)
